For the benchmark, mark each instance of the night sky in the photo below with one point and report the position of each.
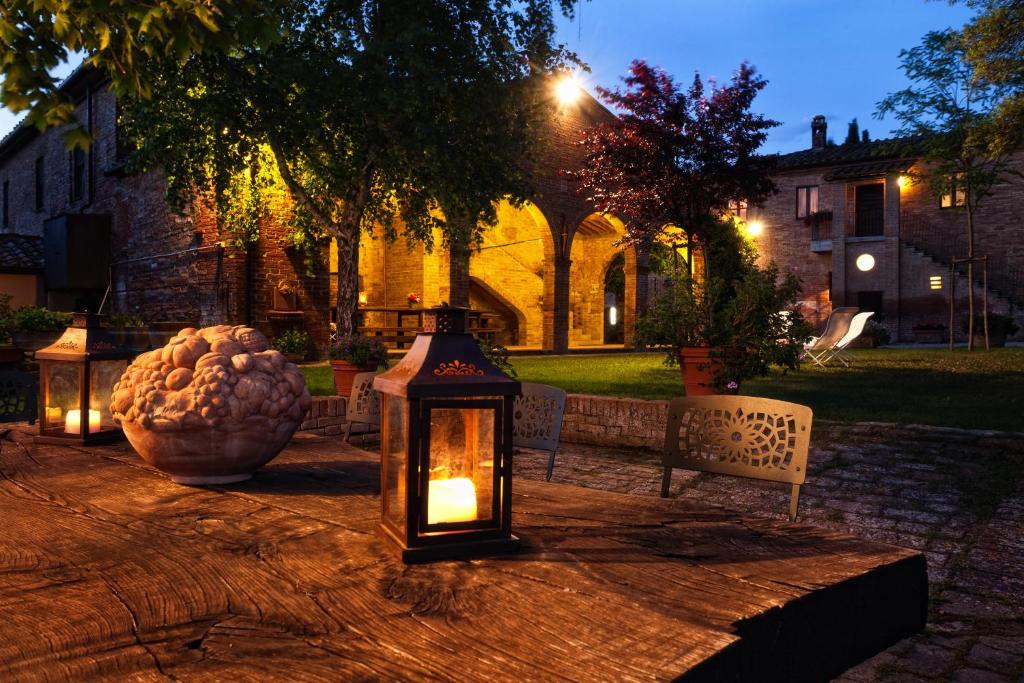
(819, 56)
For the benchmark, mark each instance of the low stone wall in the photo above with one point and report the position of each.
(610, 421)
(326, 415)
(600, 420)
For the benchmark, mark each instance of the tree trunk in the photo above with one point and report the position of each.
(348, 281)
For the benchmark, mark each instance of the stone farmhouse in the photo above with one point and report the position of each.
(78, 230)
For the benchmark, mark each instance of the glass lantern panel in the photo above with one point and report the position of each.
(62, 400)
(396, 415)
(460, 485)
(103, 375)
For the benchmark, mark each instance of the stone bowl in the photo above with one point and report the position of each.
(204, 456)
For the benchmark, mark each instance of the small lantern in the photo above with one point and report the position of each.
(446, 446)
(77, 374)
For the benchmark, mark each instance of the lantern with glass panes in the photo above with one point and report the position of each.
(77, 374)
(446, 446)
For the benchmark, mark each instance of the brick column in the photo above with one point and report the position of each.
(891, 297)
(559, 317)
(838, 244)
(636, 270)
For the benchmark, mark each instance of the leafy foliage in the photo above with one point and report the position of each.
(499, 357)
(292, 341)
(37, 319)
(359, 350)
(118, 38)
(413, 115)
(125, 320)
(676, 156)
(994, 45)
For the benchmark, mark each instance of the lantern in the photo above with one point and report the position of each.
(446, 446)
(77, 374)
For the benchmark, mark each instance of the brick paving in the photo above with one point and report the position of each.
(956, 495)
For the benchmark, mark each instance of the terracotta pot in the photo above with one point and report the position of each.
(30, 342)
(209, 455)
(295, 357)
(345, 373)
(700, 365)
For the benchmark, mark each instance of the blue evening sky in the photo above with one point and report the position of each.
(831, 57)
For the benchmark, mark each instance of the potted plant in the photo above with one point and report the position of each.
(354, 354)
(413, 299)
(929, 333)
(33, 327)
(999, 328)
(294, 344)
(724, 331)
(129, 331)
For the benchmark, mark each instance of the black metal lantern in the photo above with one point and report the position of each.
(446, 446)
(77, 374)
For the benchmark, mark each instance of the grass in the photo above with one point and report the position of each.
(981, 390)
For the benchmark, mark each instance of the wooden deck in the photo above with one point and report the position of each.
(109, 570)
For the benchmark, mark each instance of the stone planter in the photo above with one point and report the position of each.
(295, 357)
(211, 406)
(10, 355)
(163, 331)
(136, 339)
(345, 373)
(30, 342)
(700, 366)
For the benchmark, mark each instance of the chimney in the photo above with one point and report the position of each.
(818, 129)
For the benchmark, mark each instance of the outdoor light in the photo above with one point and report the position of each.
(865, 262)
(77, 374)
(446, 446)
(567, 89)
(362, 297)
(903, 181)
(613, 315)
(935, 282)
(755, 228)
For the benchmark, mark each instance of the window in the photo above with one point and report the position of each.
(77, 173)
(7, 203)
(870, 301)
(738, 208)
(956, 196)
(40, 183)
(806, 201)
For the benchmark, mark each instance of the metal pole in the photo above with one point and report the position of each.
(984, 297)
(952, 298)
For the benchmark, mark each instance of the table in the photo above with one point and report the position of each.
(109, 570)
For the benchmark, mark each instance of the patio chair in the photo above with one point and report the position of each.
(17, 396)
(758, 438)
(856, 329)
(537, 420)
(363, 407)
(836, 328)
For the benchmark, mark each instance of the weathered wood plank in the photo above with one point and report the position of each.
(109, 570)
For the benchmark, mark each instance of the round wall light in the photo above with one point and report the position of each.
(755, 228)
(865, 262)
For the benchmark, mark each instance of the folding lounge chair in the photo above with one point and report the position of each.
(856, 329)
(838, 325)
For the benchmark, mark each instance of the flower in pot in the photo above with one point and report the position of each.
(723, 332)
(32, 327)
(999, 328)
(413, 299)
(294, 344)
(353, 354)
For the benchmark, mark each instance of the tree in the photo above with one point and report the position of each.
(117, 38)
(369, 111)
(994, 46)
(852, 133)
(947, 116)
(676, 157)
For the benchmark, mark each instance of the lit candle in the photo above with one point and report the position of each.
(451, 500)
(73, 421)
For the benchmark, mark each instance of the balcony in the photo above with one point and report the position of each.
(821, 231)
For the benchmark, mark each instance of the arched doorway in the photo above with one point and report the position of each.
(598, 263)
(512, 272)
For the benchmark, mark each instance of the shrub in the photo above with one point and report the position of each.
(359, 350)
(499, 357)
(998, 325)
(125, 320)
(38, 319)
(877, 332)
(292, 341)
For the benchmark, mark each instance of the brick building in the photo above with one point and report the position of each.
(540, 272)
(848, 222)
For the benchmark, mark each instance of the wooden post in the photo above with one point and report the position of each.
(984, 297)
(952, 298)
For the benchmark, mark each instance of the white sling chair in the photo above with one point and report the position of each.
(836, 328)
(856, 329)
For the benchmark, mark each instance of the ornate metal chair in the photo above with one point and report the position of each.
(759, 438)
(17, 396)
(537, 420)
(363, 406)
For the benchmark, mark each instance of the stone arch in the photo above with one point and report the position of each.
(593, 246)
(515, 263)
(511, 319)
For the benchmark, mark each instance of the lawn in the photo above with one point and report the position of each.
(926, 386)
